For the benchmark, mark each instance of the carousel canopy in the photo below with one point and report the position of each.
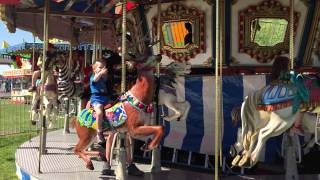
(69, 20)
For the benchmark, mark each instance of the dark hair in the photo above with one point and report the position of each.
(280, 65)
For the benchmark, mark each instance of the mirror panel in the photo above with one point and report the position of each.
(264, 30)
(182, 32)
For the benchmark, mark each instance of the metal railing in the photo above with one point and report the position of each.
(15, 116)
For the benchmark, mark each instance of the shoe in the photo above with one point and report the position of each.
(106, 169)
(298, 130)
(32, 88)
(134, 171)
(101, 141)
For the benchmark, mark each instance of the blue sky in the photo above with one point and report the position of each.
(12, 39)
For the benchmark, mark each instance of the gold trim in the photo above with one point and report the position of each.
(265, 9)
(175, 12)
(312, 36)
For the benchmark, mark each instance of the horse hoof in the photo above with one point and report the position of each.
(145, 148)
(90, 166)
(236, 160)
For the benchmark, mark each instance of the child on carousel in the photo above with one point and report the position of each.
(99, 94)
(36, 74)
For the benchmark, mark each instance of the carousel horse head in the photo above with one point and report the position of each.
(128, 114)
(174, 70)
(167, 93)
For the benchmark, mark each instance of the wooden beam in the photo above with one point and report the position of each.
(71, 14)
(69, 4)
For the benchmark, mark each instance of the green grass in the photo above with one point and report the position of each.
(8, 146)
(15, 129)
(14, 118)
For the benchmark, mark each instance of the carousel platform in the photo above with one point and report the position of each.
(61, 163)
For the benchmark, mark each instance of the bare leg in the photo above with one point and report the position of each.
(35, 76)
(297, 124)
(99, 110)
(108, 146)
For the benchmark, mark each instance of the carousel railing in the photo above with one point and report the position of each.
(15, 115)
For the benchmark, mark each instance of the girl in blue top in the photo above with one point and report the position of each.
(99, 96)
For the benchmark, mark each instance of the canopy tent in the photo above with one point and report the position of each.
(73, 21)
(27, 47)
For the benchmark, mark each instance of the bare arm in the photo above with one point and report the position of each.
(97, 76)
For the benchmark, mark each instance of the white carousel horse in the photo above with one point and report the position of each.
(50, 96)
(259, 125)
(167, 92)
(308, 122)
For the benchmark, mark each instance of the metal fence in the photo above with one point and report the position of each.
(15, 116)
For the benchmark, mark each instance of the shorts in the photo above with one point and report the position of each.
(99, 100)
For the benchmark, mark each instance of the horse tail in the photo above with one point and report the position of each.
(235, 115)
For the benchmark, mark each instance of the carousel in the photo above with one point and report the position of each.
(201, 89)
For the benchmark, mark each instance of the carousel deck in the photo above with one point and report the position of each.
(61, 163)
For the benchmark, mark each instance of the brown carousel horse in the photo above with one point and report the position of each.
(127, 115)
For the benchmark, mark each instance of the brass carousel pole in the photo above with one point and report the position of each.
(94, 54)
(43, 132)
(67, 105)
(217, 102)
(100, 38)
(290, 155)
(156, 153)
(291, 45)
(121, 168)
(221, 32)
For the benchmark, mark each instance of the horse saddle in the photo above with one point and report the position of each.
(277, 93)
(115, 116)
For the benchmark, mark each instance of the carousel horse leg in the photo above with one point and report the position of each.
(186, 108)
(176, 111)
(242, 160)
(276, 126)
(156, 131)
(86, 136)
(35, 108)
